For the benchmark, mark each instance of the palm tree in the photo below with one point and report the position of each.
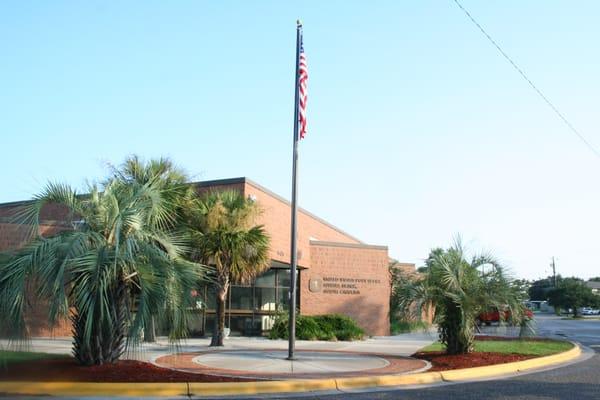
(176, 191)
(459, 291)
(111, 273)
(227, 239)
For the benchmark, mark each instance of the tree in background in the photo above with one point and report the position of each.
(398, 278)
(539, 289)
(401, 320)
(460, 290)
(226, 237)
(521, 286)
(121, 264)
(572, 293)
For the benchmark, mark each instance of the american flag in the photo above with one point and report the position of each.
(302, 90)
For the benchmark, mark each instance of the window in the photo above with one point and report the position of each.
(267, 279)
(249, 310)
(241, 298)
(265, 299)
(283, 278)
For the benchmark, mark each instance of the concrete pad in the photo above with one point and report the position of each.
(272, 364)
(275, 362)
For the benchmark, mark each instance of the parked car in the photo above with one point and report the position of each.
(589, 311)
(494, 316)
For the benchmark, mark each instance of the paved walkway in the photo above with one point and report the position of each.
(308, 364)
(265, 359)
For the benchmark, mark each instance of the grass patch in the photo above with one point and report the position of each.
(13, 357)
(397, 327)
(524, 347)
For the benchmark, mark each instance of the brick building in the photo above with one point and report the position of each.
(337, 272)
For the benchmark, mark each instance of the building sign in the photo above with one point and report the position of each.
(346, 286)
(315, 284)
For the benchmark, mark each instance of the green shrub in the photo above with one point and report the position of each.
(319, 327)
(308, 329)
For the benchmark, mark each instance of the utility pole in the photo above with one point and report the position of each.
(553, 265)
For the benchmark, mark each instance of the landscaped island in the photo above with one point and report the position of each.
(491, 350)
(22, 366)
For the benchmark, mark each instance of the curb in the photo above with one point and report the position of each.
(288, 386)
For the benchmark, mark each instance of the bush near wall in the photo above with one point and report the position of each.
(318, 327)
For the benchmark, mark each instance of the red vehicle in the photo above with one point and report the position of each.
(494, 316)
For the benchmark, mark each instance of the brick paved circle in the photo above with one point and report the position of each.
(271, 364)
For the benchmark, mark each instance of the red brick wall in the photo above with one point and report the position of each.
(36, 318)
(276, 218)
(354, 281)
(13, 237)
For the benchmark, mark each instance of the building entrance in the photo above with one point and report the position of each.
(250, 309)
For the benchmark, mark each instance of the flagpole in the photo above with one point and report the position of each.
(294, 233)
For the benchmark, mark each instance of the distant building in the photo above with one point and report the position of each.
(338, 272)
(595, 286)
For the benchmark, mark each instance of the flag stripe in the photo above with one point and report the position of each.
(302, 90)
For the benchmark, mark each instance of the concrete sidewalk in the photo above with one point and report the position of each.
(241, 355)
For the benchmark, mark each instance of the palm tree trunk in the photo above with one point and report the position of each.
(107, 339)
(456, 333)
(219, 330)
(150, 332)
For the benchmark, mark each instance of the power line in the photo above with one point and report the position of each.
(520, 71)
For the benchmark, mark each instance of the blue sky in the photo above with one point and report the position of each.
(418, 129)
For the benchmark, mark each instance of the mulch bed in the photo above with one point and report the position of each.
(66, 369)
(440, 361)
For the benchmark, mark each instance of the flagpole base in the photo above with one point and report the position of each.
(293, 358)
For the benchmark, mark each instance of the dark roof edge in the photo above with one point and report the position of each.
(15, 203)
(351, 245)
(220, 182)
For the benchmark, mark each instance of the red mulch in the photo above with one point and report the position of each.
(67, 369)
(441, 361)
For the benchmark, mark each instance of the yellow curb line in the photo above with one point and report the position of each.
(289, 386)
(94, 388)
